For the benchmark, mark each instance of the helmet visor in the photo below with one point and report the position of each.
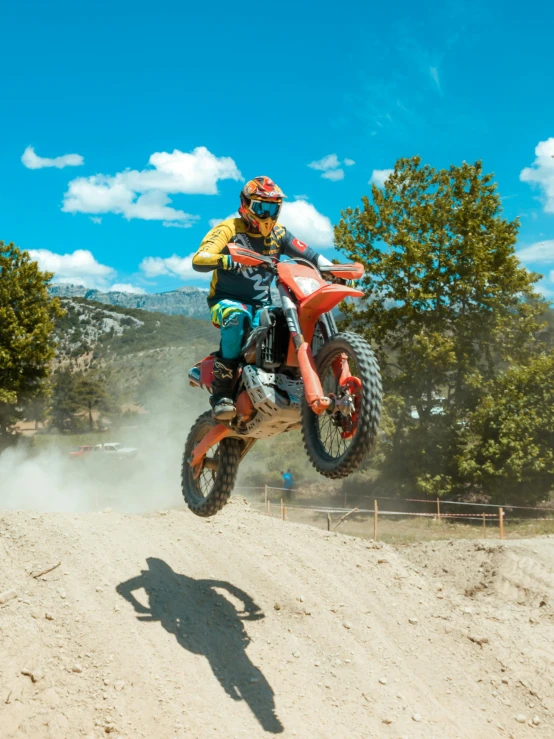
(265, 209)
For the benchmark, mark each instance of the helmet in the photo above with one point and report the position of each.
(260, 203)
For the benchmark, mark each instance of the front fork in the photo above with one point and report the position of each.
(313, 390)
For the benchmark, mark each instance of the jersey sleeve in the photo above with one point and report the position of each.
(210, 253)
(293, 247)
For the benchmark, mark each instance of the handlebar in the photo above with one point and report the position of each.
(332, 272)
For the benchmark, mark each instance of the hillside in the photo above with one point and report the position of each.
(170, 626)
(138, 355)
(186, 301)
(119, 331)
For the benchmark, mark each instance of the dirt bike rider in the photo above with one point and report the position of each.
(237, 293)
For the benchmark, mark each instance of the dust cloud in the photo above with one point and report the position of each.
(51, 481)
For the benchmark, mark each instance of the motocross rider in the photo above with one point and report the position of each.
(238, 293)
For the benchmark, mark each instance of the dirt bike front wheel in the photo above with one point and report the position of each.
(336, 442)
(207, 493)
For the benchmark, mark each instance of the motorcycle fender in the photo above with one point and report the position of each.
(213, 436)
(322, 301)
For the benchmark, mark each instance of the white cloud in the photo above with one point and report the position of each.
(540, 253)
(96, 219)
(176, 224)
(124, 287)
(334, 175)
(173, 266)
(79, 268)
(144, 193)
(307, 223)
(545, 291)
(100, 194)
(329, 162)
(434, 72)
(216, 221)
(330, 167)
(33, 161)
(380, 176)
(541, 172)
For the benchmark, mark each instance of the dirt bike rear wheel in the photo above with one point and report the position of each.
(335, 444)
(206, 494)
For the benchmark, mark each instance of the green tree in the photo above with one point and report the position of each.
(37, 409)
(64, 403)
(507, 447)
(91, 394)
(27, 315)
(447, 307)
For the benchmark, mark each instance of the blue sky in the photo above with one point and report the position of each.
(166, 107)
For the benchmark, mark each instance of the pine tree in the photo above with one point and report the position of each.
(64, 403)
(91, 395)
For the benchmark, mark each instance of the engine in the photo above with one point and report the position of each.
(276, 400)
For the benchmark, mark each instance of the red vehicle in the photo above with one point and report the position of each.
(296, 371)
(81, 451)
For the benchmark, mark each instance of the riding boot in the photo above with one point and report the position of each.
(221, 400)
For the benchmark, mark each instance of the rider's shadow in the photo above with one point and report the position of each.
(205, 622)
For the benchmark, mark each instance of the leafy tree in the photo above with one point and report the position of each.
(447, 307)
(507, 448)
(27, 316)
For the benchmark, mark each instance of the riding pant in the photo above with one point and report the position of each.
(234, 319)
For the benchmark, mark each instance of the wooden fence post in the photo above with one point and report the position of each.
(282, 505)
(328, 522)
(375, 515)
(284, 513)
(484, 527)
(501, 522)
(438, 510)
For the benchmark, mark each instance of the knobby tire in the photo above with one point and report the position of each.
(208, 502)
(359, 350)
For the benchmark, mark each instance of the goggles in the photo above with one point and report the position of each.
(265, 209)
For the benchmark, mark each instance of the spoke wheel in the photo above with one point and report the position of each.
(337, 441)
(207, 490)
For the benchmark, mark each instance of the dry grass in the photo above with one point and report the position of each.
(406, 530)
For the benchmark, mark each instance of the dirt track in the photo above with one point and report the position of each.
(167, 626)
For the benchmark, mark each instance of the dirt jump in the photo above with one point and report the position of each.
(168, 625)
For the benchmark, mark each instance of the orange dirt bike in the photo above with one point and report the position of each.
(296, 372)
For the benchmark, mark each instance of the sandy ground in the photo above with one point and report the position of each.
(167, 625)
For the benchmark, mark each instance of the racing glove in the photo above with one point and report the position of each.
(226, 262)
(339, 281)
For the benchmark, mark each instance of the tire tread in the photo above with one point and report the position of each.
(229, 460)
(370, 411)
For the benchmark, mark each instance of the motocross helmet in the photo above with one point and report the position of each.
(260, 204)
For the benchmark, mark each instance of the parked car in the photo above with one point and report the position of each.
(81, 451)
(115, 449)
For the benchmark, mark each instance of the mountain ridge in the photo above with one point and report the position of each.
(185, 301)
